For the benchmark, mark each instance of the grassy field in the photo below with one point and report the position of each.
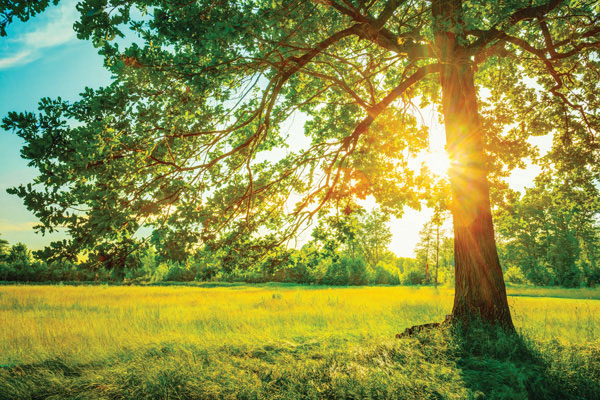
(276, 341)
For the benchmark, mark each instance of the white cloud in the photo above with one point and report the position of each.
(22, 57)
(55, 29)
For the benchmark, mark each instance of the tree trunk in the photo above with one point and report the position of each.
(480, 290)
(437, 254)
(427, 252)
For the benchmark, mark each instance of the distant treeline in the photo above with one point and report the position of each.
(537, 248)
(309, 265)
(344, 250)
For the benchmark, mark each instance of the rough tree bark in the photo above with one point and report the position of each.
(480, 289)
(437, 254)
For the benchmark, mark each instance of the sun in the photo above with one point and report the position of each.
(437, 162)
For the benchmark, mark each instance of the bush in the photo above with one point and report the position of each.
(337, 274)
(413, 277)
(357, 270)
(206, 272)
(385, 274)
(7, 272)
(515, 275)
(296, 272)
(180, 272)
(592, 277)
(539, 275)
(446, 276)
(300, 268)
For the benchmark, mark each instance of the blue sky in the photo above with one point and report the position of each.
(43, 58)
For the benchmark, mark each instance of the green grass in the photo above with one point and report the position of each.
(558, 292)
(289, 341)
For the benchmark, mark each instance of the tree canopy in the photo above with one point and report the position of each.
(192, 136)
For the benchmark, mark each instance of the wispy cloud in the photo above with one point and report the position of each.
(17, 226)
(55, 29)
(22, 57)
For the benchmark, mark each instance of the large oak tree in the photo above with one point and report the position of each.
(203, 89)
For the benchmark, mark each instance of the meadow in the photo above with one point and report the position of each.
(290, 341)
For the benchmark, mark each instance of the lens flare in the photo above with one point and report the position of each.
(438, 162)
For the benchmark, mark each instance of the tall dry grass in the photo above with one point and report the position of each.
(87, 323)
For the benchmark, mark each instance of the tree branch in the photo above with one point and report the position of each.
(487, 36)
(387, 12)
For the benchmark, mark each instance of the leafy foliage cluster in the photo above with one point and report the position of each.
(21, 10)
(552, 232)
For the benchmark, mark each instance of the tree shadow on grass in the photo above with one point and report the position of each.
(495, 364)
(445, 363)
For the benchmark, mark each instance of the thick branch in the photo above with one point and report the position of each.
(494, 33)
(372, 29)
(378, 108)
(387, 12)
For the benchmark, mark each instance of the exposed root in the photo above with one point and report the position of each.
(418, 328)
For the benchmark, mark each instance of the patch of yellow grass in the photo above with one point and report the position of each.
(91, 322)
